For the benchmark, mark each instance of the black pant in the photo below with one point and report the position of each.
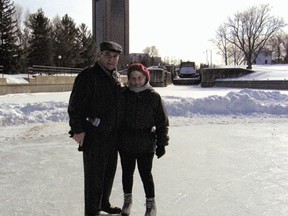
(144, 164)
(100, 163)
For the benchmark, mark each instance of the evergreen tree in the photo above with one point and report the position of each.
(88, 45)
(40, 50)
(23, 51)
(22, 40)
(8, 36)
(67, 43)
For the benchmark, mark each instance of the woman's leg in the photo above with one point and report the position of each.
(144, 163)
(128, 163)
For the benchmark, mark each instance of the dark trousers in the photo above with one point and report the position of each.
(100, 163)
(144, 164)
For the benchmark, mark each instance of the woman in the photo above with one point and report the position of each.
(143, 132)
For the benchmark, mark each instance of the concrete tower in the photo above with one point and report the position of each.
(110, 20)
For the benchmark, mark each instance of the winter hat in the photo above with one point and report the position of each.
(138, 67)
(111, 46)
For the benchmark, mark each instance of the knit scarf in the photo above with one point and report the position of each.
(137, 89)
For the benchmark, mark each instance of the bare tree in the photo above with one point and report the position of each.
(251, 29)
(230, 53)
(151, 51)
(285, 48)
(275, 44)
(236, 56)
(222, 43)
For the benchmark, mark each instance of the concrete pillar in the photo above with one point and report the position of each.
(110, 21)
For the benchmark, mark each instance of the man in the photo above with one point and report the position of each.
(92, 112)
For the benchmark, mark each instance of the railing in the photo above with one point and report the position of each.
(49, 70)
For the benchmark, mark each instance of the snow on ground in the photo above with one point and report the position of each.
(228, 155)
(16, 79)
(20, 109)
(265, 72)
(271, 72)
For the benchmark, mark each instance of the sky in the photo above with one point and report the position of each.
(179, 29)
(227, 155)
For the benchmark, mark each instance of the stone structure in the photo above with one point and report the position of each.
(36, 84)
(209, 75)
(223, 77)
(110, 21)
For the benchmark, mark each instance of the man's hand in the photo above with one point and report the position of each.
(160, 151)
(79, 138)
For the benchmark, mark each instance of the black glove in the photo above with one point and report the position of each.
(160, 151)
(71, 133)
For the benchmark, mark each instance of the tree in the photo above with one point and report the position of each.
(40, 50)
(8, 36)
(67, 44)
(222, 43)
(250, 30)
(285, 48)
(22, 40)
(152, 53)
(275, 44)
(88, 46)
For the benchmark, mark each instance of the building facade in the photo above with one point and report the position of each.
(264, 57)
(110, 21)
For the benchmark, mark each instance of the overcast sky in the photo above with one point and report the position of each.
(180, 29)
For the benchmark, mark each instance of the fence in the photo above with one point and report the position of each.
(49, 70)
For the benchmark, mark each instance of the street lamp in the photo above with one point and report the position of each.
(59, 59)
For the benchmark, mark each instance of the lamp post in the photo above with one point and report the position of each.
(59, 59)
(209, 62)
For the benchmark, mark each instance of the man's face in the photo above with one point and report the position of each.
(109, 59)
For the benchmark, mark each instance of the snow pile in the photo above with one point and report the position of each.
(15, 114)
(244, 102)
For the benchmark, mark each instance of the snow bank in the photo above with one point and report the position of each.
(244, 102)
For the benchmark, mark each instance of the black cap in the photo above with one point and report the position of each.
(111, 46)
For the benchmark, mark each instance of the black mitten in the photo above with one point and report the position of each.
(160, 151)
(71, 133)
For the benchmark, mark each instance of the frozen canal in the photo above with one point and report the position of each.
(214, 166)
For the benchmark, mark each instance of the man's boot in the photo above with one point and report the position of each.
(110, 209)
(150, 207)
(126, 209)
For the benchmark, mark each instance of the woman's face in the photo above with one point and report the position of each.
(137, 79)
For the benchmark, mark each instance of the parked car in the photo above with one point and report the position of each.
(188, 70)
